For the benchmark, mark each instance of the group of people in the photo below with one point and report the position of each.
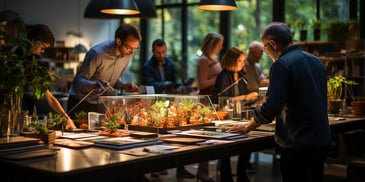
(296, 79)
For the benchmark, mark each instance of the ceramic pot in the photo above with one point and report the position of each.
(358, 107)
(334, 106)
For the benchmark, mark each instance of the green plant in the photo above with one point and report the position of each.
(337, 30)
(81, 115)
(53, 121)
(335, 86)
(20, 70)
(316, 24)
(112, 120)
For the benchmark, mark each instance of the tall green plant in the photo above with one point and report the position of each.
(335, 86)
(19, 70)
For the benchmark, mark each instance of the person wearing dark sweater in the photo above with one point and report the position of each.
(297, 79)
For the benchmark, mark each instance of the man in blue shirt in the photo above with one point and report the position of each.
(159, 71)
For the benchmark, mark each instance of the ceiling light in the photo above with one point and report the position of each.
(92, 10)
(121, 7)
(217, 5)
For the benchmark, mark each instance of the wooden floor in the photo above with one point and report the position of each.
(267, 170)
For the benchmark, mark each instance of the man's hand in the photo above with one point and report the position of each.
(238, 128)
(70, 125)
(130, 87)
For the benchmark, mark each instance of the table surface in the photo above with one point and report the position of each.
(95, 163)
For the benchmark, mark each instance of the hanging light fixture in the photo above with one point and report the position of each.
(217, 5)
(121, 7)
(79, 48)
(93, 10)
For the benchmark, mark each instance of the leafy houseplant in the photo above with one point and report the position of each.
(44, 130)
(82, 119)
(335, 89)
(19, 71)
(316, 25)
(337, 30)
(335, 86)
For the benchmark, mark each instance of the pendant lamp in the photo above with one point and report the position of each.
(92, 10)
(121, 7)
(217, 5)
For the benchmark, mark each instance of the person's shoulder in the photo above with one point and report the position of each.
(203, 60)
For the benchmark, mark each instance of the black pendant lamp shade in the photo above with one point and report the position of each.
(93, 10)
(121, 7)
(217, 5)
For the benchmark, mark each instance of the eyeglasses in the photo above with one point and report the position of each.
(39, 44)
(129, 48)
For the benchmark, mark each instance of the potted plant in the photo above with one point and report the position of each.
(316, 25)
(112, 123)
(45, 130)
(335, 90)
(302, 30)
(82, 119)
(337, 30)
(19, 71)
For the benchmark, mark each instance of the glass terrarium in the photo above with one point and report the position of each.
(159, 111)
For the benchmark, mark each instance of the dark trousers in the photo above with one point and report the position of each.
(84, 106)
(303, 165)
(226, 170)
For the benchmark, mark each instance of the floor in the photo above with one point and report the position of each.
(266, 167)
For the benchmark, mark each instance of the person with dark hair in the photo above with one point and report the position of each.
(101, 70)
(159, 71)
(302, 132)
(13, 31)
(41, 38)
(233, 64)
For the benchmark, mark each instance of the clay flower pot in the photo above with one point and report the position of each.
(358, 107)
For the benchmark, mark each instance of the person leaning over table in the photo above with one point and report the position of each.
(233, 64)
(302, 132)
(101, 70)
(40, 37)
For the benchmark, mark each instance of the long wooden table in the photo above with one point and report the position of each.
(106, 164)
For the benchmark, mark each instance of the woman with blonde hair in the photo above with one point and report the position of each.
(207, 71)
(208, 64)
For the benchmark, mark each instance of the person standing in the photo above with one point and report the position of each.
(101, 70)
(159, 71)
(302, 132)
(207, 71)
(254, 74)
(232, 77)
(40, 37)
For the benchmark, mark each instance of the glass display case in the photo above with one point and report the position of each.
(159, 111)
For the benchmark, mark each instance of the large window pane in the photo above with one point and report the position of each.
(200, 23)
